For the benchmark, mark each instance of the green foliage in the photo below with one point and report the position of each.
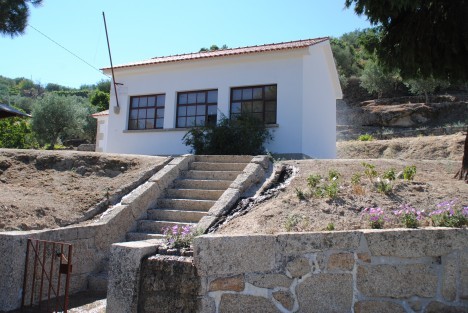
(55, 117)
(300, 194)
(419, 37)
(15, 132)
(14, 16)
(384, 186)
(245, 135)
(409, 220)
(409, 172)
(76, 93)
(378, 81)
(356, 179)
(390, 174)
(100, 100)
(213, 48)
(292, 221)
(313, 180)
(425, 86)
(369, 171)
(365, 137)
(333, 174)
(330, 226)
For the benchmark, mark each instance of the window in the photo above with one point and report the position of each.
(197, 108)
(146, 112)
(260, 101)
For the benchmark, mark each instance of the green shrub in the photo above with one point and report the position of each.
(330, 227)
(300, 194)
(356, 179)
(409, 172)
(244, 135)
(15, 132)
(313, 180)
(369, 171)
(366, 137)
(390, 174)
(333, 174)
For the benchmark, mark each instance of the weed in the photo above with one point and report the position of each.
(330, 227)
(366, 137)
(359, 190)
(383, 186)
(409, 172)
(390, 174)
(313, 180)
(292, 221)
(333, 174)
(369, 171)
(179, 236)
(387, 131)
(356, 179)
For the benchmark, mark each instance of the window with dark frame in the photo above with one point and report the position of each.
(259, 101)
(197, 108)
(146, 112)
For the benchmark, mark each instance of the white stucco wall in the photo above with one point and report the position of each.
(301, 78)
(101, 133)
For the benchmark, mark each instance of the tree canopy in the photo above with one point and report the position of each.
(422, 38)
(14, 16)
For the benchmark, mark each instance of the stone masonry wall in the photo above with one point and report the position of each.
(400, 270)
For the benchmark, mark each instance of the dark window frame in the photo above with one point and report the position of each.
(137, 109)
(257, 99)
(208, 118)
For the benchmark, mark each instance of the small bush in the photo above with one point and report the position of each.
(333, 174)
(356, 179)
(409, 216)
(369, 171)
(313, 180)
(179, 236)
(409, 172)
(244, 135)
(375, 216)
(295, 222)
(448, 214)
(300, 194)
(384, 186)
(390, 174)
(366, 137)
(330, 227)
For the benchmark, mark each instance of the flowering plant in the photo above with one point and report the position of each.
(410, 216)
(448, 214)
(376, 217)
(179, 236)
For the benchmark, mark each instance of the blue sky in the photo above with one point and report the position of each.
(142, 29)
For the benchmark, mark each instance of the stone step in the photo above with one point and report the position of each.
(211, 175)
(98, 282)
(209, 166)
(175, 215)
(157, 227)
(134, 236)
(202, 184)
(185, 204)
(196, 194)
(224, 158)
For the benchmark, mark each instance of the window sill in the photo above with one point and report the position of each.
(162, 130)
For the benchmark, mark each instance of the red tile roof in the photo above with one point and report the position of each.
(227, 52)
(102, 113)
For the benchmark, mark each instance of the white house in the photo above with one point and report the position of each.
(292, 87)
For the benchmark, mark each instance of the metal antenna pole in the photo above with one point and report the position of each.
(116, 109)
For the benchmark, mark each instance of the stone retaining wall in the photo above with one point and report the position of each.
(423, 270)
(400, 270)
(91, 242)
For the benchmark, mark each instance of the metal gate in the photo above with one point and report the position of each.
(47, 264)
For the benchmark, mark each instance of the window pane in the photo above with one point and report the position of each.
(132, 124)
(270, 117)
(237, 94)
(236, 107)
(182, 111)
(181, 122)
(159, 123)
(211, 120)
(142, 113)
(258, 106)
(201, 97)
(212, 110)
(247, 94)
(151, 101)
(150, 113)
(149, 124)
(212, 96)
(161, 100)
(141, 124)
(143, 102)
(192, 98)
(183, 98)
(200, 120)
(160, 113)
(246, 106)
(258, 93)
(258, 116)
(134, 114)
(270, 92)
(191, 121)
(135, 102)
(201, 109)
(270, 106)
(191, 110)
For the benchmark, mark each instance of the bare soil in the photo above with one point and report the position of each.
(48, 189)
(436, 158)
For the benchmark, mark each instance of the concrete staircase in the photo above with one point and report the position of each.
(191, 195)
